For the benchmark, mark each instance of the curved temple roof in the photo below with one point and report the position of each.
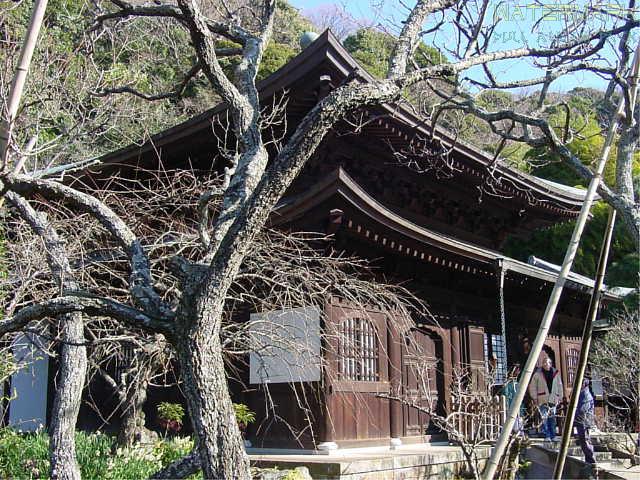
(326, 53)
(341, 184)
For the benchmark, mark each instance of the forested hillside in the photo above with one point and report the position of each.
(73, 118)
(587, 120)
(68, 110)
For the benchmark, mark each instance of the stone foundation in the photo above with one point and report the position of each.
(426, 462)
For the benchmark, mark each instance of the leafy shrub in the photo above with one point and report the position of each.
(244, 416)
(171, 412)
(23, 456)
(92, 452)
(27, 456)
(170, 415)
(170, 451)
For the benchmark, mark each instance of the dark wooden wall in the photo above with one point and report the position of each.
(353, 412)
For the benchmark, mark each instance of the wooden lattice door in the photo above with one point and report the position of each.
(420, 380)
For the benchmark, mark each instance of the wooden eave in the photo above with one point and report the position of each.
(308, 60)
(468, 257)
(327, 56)
(478, 161)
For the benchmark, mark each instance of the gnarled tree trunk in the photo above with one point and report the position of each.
(71, 378)
(132, 428)
(148, 361)
(200, 355)
(220, 444)
(73, 358)
(627, 146)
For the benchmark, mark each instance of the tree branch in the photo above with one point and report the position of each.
(242, 97)
(175, 93)
(447, 69)
(410, 35)
(228, 30)
(141, 285)
(92, 306)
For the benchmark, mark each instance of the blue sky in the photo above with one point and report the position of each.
(513, 31)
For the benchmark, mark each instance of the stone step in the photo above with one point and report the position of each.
(599, 456)
(603, 456)
(595, 440)
(599, 445)
(555, 445)
(576, 450)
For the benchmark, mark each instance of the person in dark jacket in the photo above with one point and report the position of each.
(584, 421)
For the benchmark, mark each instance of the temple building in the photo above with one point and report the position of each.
(433, 213)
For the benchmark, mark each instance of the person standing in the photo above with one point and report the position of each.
(585, 420)
(509, 391)
(546, 391)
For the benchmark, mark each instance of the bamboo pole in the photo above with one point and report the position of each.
(565, 270)
(591, 316)
(594, 305)
(20, 78)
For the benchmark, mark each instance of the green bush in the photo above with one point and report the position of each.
(92, 451)
(25, 456)
(172, 450)
(171, 412)
(170, 417)
(244, 416)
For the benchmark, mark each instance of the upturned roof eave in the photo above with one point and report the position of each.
(570, 196)
(327, 48)
(281, 78)
(340, 183)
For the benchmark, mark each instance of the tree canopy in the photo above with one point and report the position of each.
(586, 144)
(372, 48)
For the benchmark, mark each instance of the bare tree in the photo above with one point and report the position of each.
(192, 318)
(284, 270)
(333, 17)
(539, 118)
(473, 419)
(615, 359)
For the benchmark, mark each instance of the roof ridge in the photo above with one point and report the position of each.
(328, 48)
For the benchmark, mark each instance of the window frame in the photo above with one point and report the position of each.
(358, 350)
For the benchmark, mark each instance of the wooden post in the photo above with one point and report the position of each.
(594, 305)
(394, 346)
(20, 78)
(527, 372)
(329, 341)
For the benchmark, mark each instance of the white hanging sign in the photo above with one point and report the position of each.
(286, 346)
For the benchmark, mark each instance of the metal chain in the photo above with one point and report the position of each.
(503, 322)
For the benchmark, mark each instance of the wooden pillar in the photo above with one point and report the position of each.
(394, 343)
(328, 428)
(447, 365)
(328, 433)
(563, 367)
(456, 347)
(474, 340)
